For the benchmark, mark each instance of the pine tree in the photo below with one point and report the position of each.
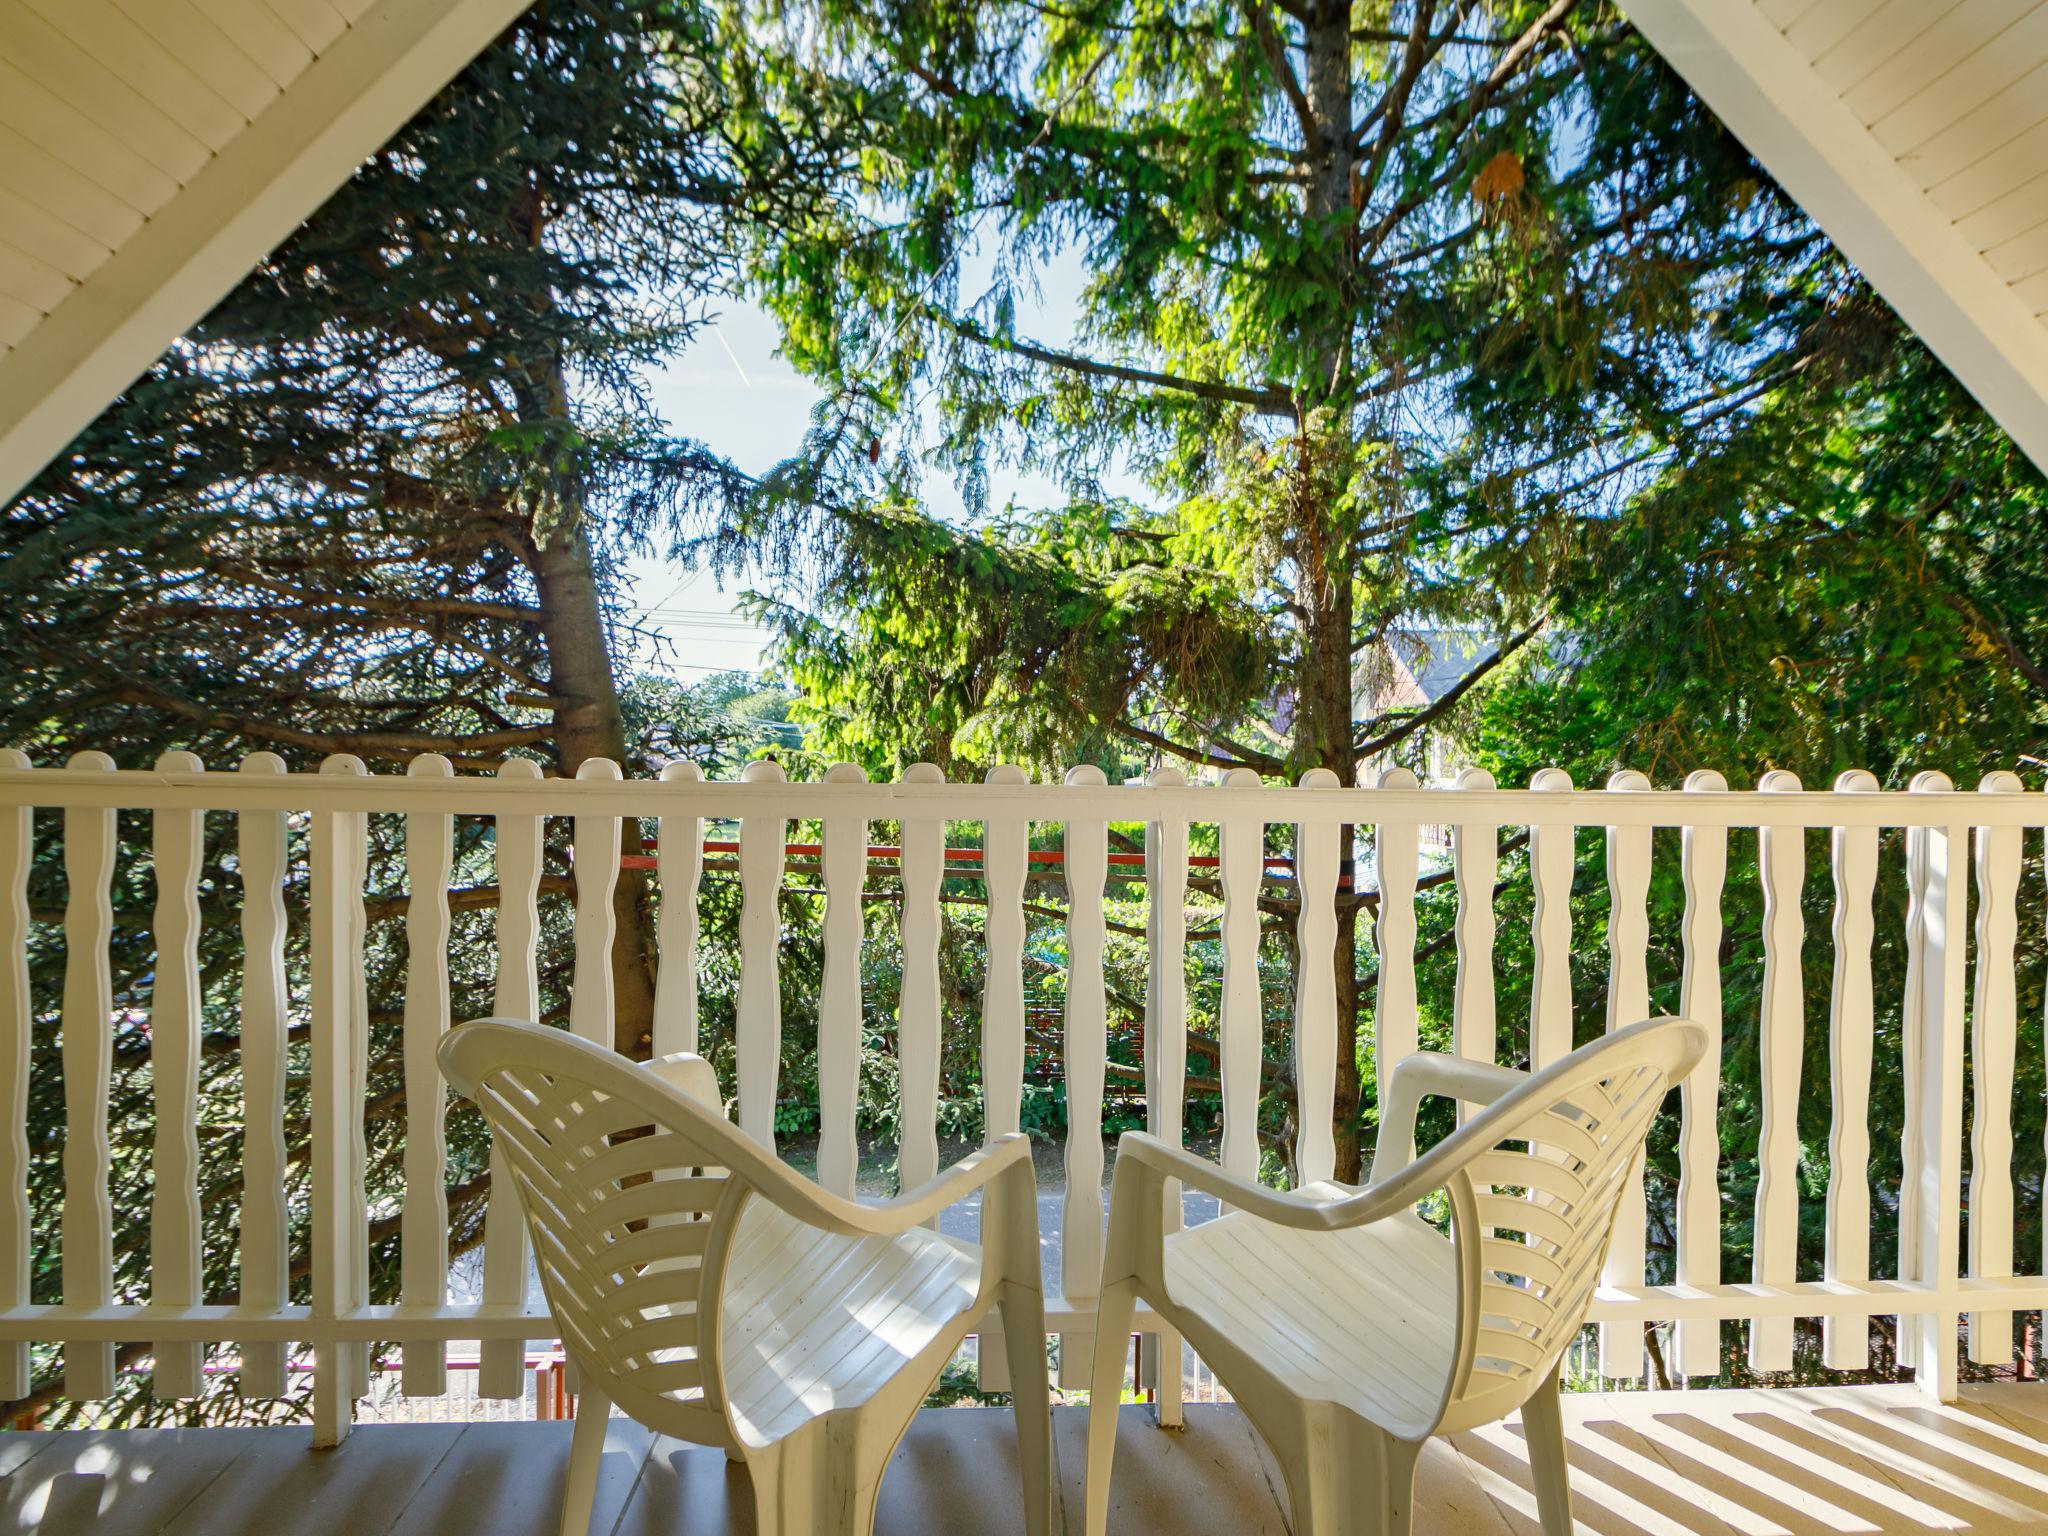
(1389, 304)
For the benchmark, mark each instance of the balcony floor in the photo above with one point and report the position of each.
(1822, 1461)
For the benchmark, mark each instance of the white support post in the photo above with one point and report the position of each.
(1628, 1002)
(918, 1015)
(596, 842)
(1396, 854)
(88, 1046)
(1845, 1341)
(516, 837)
(262, 851)
(1166, 1056)
(423, 1234)
(174, 1079)
(844, 863)
(764, 839)
(1704, 855)
(1316, 1043)
(1550, 923)
(1994, 1030)
(679, 865)
(1781, 1033)
(1939, 1104)
(1087, 864)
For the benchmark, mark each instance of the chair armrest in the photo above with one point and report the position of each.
(1164, 1160)
(774, 1181)
(917, 1206)
(1425, 1073)
(691, 1076)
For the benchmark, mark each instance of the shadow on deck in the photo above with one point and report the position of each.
(1827, 1461)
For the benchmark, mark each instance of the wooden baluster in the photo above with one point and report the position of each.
(764, 840)
(1005, 857)
(917, 1018)
(1475, 868)
(337, 1103)
(1704, 858)
(1550, 930)
(265, 1221)
(174, 1083)
(1994, 1029)
(17, 1027)
(1316, 860)
(1845, 1341)
(1241, 1019)
(679, 866)
(845, 861)
(1396, 855)
(1781, 1033)
(87, 1039)
(423, 1230)
(595, 845)
(1006, 852)
(1928, 1340)
(1166, 1048)
(1087, 865)
(1628, 1002)
(501, 1363)
(1912, 1010)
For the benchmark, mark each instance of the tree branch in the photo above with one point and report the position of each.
(1374, 745)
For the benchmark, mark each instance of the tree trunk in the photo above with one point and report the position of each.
(588, 719)
(1326, 452)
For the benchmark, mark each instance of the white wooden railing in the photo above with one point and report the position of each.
(1940, 1277)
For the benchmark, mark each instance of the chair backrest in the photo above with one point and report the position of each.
(1534, 1196)
(630, 1202)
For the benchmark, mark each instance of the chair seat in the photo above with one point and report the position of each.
(816, 1322)
(1363, 1318)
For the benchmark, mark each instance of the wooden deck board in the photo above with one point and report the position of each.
(1811, 1462)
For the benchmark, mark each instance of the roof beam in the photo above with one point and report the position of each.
(1818, 150)
(260, 187)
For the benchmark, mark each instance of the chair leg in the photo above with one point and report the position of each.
(1543, 1425)
(586, 1455)
(1030, 1401)
(821, 1480)
(1346, 1477)
(1113, 1313)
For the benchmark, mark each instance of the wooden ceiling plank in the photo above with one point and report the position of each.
(76, 140)
(16, 321)
(31, 279)
(259, 34)
(2025, 255)
(205, 50)
(1978, 141)
(1825, 24)
(95, 27)
(64, 246)
(316, 22)
(1880, 38)
(1933, 115)
(2018, 210)
(1783, 13)
(1994, 176)
(1963, 30)
(38, 50)
(27, 169)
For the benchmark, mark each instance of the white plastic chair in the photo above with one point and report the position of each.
(1349, 1329)
(718, 1296)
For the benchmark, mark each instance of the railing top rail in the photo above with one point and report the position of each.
(219, 790)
